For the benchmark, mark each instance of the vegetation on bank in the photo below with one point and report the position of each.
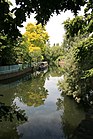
(78, 70)
(78, 57)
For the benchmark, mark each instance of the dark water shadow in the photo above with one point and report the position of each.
(85, 128)
(10, 117)
(72, 115)
(8, 113)
(24, 77)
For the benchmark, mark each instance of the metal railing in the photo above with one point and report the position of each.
(13, 68)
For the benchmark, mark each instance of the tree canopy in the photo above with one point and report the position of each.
(10, 20)
(35, 36)
(75, 26)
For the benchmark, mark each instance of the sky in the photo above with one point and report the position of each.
(54, 27)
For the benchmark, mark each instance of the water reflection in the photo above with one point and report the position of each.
(72, 116)
(49, 116)
(55, 71)
(85, 129)
(29, 92)
(10, 117)
(43, 121)
(32, 92)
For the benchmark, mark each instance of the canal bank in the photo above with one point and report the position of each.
(17, 71)
(14, 71)
(17, 74)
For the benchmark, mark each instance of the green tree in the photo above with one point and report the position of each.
(51, 54)
(75, 26)
(7, 51)
(8, 25)
(56, 52)
(78, 67)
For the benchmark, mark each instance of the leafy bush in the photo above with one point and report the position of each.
(79, 70)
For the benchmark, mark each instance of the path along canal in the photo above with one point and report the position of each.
(34, 108)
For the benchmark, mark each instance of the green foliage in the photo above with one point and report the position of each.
(75, 26)
(79, 70)
(7, 51)
(36, 56)
(44, 9)
(78, 51)
(51, 54)
(89, 20)
(88, 73)
(7, 56)
(10, 20)
(8, 25)
(80, 24)
(89, 6)
(84, 53)
(71, 71)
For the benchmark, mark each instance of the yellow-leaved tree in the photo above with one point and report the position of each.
(34, 41)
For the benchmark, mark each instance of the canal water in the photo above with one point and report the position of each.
(34, 108)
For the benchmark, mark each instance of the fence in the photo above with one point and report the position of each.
(13, 68)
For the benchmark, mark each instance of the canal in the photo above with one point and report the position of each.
(34, 108)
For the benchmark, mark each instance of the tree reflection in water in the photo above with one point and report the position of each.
(33, 92)
(85, 128)
(10, 117)
(8, 113)
(30, 93)
(73, 114)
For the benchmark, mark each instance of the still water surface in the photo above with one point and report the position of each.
(35, 109)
